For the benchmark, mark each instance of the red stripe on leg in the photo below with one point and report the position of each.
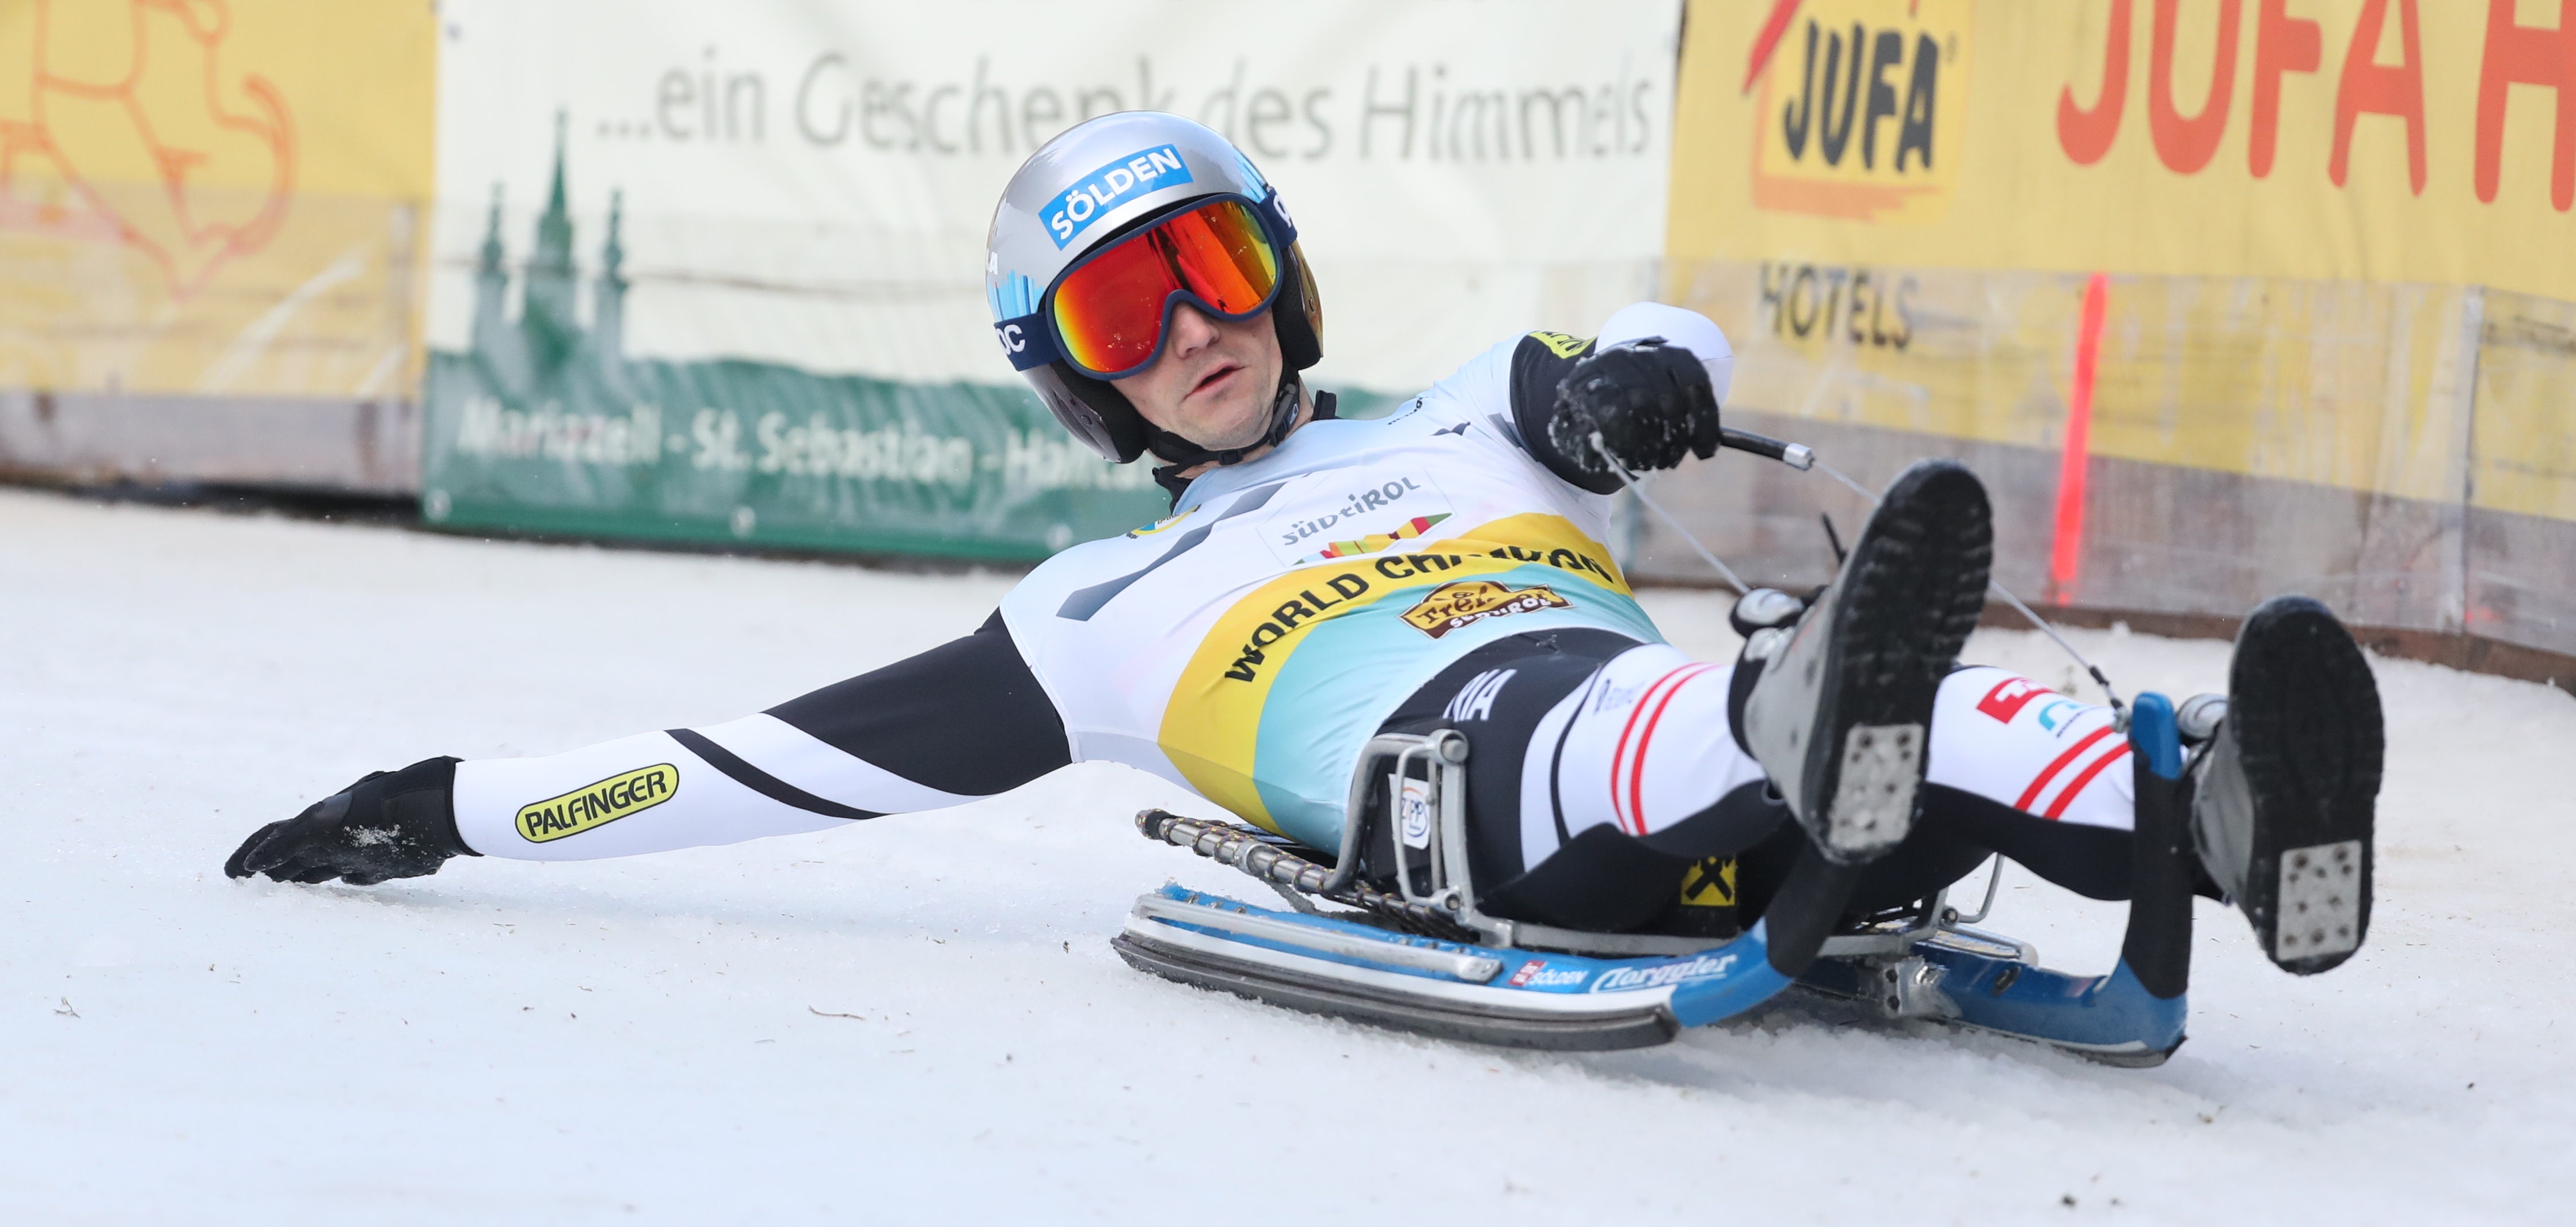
(2040, 782)
(1619, 752)
(1637, 766)
(2067, 797)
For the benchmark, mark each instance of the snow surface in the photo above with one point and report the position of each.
(922, 1020)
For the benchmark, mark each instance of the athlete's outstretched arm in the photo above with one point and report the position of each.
(962, 721)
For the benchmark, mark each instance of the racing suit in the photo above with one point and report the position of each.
(1440, 566)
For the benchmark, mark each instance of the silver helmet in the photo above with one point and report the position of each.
(1099, 181)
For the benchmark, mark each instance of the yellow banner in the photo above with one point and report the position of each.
(2381, 140)
(218, 198)
(2363, 387)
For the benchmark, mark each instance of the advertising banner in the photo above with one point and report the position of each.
(2374, 140)
(209, 198)
(717, 273)
(2225, 297)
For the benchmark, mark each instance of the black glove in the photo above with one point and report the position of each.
(1650, 402)
(390, 824)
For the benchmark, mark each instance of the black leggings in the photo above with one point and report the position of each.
(1605, 879)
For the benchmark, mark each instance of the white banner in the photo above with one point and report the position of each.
(807, 182)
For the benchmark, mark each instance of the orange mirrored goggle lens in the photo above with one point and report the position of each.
(1108, 313)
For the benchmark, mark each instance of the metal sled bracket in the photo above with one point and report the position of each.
(1425, 814)
(1934, 920)
(1424, 782)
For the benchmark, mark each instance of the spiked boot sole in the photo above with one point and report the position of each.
(2308, 734)
(1913, 589)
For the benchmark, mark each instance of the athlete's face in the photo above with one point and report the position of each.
(1213, 384)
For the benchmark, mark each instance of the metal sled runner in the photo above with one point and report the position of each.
(1426, 958)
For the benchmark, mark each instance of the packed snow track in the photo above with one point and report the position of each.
(920, 1020)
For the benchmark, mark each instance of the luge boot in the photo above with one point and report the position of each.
(2284, 790)
(1840, 715)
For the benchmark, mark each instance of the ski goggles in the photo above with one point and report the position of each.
(1109, 313)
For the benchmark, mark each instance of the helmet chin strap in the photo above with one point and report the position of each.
(1185, 454)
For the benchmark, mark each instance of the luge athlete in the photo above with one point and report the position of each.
(1320, 580)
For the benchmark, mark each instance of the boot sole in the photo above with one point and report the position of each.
(1915, 587)
(2310, 740)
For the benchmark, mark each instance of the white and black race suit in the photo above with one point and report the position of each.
(1438, 566)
